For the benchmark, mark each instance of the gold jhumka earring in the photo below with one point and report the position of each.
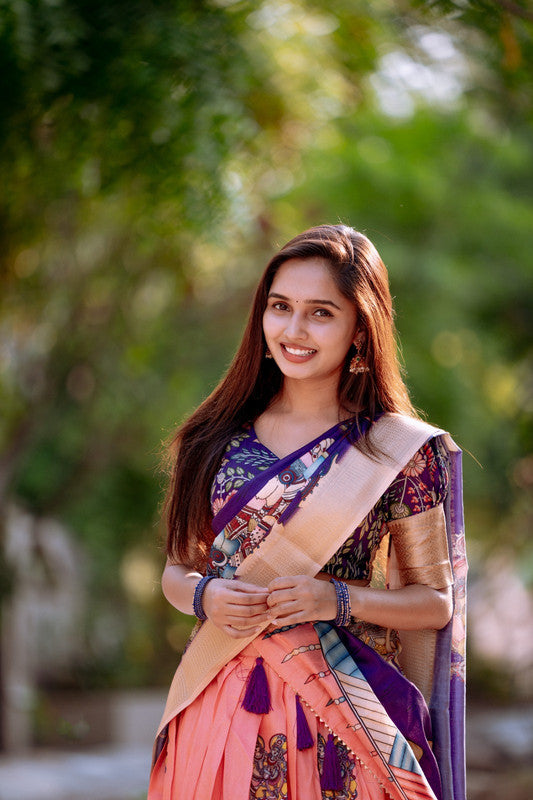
(268, 354)
(357, 364)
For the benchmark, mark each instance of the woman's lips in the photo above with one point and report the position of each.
(297, 354)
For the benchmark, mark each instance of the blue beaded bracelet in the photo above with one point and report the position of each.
(197, 602)
(344, 606)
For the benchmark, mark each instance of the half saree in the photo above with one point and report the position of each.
(340, 717)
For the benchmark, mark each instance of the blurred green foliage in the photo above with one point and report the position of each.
(152, 157)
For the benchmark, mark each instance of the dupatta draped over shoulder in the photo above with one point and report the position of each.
(392, 703)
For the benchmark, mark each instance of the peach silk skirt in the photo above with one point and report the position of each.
(217, 750)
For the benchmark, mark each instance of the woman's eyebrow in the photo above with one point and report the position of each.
(308, 302)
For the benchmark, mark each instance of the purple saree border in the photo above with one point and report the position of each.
(447, 704)
(457, 686)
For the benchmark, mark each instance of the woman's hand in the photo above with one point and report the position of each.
(236, 607)
(297, 598)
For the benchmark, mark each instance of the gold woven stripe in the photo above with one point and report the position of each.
(421, 549)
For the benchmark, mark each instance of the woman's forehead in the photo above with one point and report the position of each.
(305, 280)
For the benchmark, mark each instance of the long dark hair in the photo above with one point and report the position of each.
(252, 381)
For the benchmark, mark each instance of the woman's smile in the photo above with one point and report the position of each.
(297, 354)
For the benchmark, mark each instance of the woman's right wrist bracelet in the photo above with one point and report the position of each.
(197, 601)
(344, 606)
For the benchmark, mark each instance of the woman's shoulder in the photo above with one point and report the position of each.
(422, 483)
(404, 424)
(396, 437)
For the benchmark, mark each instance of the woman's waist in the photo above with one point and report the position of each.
(296, 639)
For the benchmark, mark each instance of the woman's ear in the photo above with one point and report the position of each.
(359, 339)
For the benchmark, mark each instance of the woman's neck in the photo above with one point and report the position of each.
(300, 412)
(316, 400)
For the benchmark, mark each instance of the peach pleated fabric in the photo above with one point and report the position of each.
(219, 751)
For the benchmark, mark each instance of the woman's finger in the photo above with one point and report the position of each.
(284, 609)
(281, 596)
(286, 582)
(244, 602)
(244, 599)
(247, 612)
(248, 588)
(296, 618)
(236, 633)
(257, 619)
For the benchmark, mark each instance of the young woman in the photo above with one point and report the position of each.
(312, 516)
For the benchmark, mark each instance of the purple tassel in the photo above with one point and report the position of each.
(304, 739)
(331, 778)
(257, 696)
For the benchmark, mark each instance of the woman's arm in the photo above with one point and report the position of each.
(297, 599)
(238, 608)
(178, 584)
(413, 607)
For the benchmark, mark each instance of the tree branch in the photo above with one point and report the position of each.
(515, 9)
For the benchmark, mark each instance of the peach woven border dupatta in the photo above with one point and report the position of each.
(337, 505)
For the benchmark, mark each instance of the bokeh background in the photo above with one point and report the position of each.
(153, 155)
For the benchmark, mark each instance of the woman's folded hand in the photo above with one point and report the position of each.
(297, 598)
(236, 607)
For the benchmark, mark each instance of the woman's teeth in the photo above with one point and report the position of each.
(296, 352)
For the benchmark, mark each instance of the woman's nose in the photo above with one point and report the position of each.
(295, 328)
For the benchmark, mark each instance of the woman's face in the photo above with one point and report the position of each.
(308, 324)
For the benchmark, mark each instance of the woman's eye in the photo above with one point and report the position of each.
(279, 306)
(323, 312)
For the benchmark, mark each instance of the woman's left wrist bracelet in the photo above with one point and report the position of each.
(197, 601)
(344, 606)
